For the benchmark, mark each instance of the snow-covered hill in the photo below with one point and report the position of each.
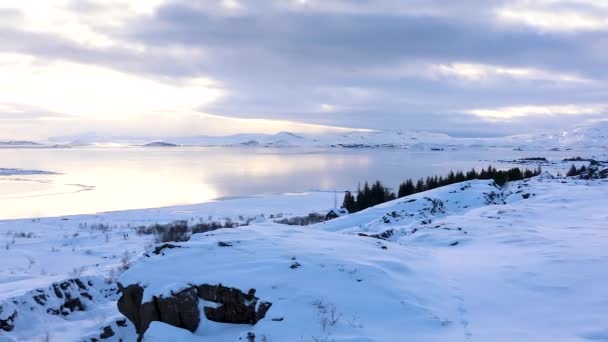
(466, 262)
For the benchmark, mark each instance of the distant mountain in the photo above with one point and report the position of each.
(282, 139)
(18, 143)
(14, 172)
(592, 135)
(160, 144)
(589, 135)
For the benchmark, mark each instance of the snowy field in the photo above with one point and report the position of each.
(466, 262)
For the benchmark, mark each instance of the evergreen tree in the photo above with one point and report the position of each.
(573, 171)
(349, 202)
(377, 193)
(406, 188)
(515, 174)
(460, 177)
(420, 185)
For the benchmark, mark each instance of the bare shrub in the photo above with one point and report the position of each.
(180, 231)
(328, 316)
(125, 261)
(311, 218)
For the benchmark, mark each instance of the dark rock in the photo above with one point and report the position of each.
(80, 284)
(237, 307)
(159, 249)
(72, 305)
(107, 333)
(384, 247)
(224, 244)
(295, 265)
(129, 304)
(383, 236)
(454, 243)
(121, 322)
(8, 324)
(57, 291)
(181, 309)
(40, 299)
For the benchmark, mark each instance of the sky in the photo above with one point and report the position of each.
(162, 68)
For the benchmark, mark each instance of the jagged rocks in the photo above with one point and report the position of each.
(160, 249)
(58, 299)
(181, 309)
(8, 314)
(107, 333)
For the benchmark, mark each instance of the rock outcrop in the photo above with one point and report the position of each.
(59, 299)
(181, 309)
(8, 314)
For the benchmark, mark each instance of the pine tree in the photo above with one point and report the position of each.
(515, 174)
(573, 171)
(472, 175)
(420, 185)
(460, 177)
(406, 188)
(349, 202)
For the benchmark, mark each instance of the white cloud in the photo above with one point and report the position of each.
(526, 111)
(84, 27)
(551, 15)
(484, 72)
(84, 90)
(327, 108)
(474, 72)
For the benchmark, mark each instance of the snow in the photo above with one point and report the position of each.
(465, 262)
(38, 251)
(260, 257)
(587, 135)
(161, 332)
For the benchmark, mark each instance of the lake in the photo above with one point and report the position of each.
(90, 180)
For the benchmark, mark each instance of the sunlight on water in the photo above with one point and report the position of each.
(93, 180)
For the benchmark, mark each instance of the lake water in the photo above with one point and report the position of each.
(93, 180)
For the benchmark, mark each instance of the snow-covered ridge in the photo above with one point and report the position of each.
(593, 135)
(472, 257)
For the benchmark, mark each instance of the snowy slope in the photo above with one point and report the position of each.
(419, 210)
(308, 276)
(493, 265)
(467, 262)
(588, 135)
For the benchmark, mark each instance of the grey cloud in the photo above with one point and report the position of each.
(278, 61)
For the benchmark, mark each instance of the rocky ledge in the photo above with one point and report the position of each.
(182, 309)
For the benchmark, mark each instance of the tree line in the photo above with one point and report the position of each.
(377, 193)
(574, 171)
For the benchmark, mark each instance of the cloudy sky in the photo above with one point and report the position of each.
(163, 68)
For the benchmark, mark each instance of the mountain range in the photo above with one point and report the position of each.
(592, 135)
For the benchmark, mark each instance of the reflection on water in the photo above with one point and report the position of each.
(103, 179)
